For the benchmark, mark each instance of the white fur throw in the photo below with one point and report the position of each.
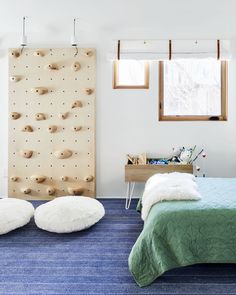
(14, 213)
(68, 214)
(167, 187)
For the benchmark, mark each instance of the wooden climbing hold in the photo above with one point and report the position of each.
(76, 66)
(52, 128)
(76, 128)
(26, 153)
(88, 91)
(15, 78)
(27, 128)
(63, 154)
(88, 53)
(52, 67)
(88, 178)
(51, 191)
(77, 104)
(38, 178)
(38, 53)
(15, 115)
(26, 191)
(64, 178)
(40, 117)
(14, 53)
(75, 191)
(63, 116)
(14, 178)
(39, 90)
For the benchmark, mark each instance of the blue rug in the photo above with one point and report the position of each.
(95, 262)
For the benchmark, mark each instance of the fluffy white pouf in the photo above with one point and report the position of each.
(68, 214)
(14, 213)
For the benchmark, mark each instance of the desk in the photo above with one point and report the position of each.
(141, 173)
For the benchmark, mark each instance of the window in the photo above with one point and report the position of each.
(193, 90)
(131, 74)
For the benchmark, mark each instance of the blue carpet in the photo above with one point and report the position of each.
(95, 262)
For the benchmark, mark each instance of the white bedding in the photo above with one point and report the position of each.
(167, 187)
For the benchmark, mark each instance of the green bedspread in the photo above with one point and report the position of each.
(180, 233)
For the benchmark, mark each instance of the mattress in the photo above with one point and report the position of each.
(181, 233)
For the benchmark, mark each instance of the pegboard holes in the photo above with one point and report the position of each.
(76, 140)
(76, 79)
(63, 166)
(51, 166)
(13, 166)
(76, 166)
(27, 67)
(88, 166)
(39, 103)
(39, 166)
(51, 178)
(38, 190)
(51, 103)
(26, 166)
(39, 67)
(63, 128)
(39, 140)
(51, 140)
(76, 116)
(51, 116)
(39, 79)
(76, 91)
(26, 79)
(39, 128)
(26, 140)
(88, 79)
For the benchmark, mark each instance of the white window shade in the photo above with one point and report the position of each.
(159, 49)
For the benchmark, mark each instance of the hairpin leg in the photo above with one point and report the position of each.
(129, 194)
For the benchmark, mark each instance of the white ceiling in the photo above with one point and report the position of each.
(139, 18)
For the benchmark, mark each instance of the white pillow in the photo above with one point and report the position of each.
(14, 213)
(68, 214)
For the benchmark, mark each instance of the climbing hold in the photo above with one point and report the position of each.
(88, 53)
(15, 115)
(52, 128)
(38, 53)
(39, 90)
(88, 91)
(64, 178)
(52, 67)
(14, 53)
(15, 78)
(40, 116)
(26, 191)
(14, 178)
(76, 128)
(88, 178)
(63, 116)
(26, 153)
(63, 154)
(51, 191)
(76, 191)
(76, 104)
(76, 66)
(38, 178)
(27, 128)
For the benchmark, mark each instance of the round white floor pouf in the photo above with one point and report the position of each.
(14, 213)
(68, 214)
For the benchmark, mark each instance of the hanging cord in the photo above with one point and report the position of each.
(76, 51)
(170, 49)
(218, 49)
(74, 38)
(118, 50)
(23, 36)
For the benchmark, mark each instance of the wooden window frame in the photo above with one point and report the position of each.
(224, 99)
(116, 75)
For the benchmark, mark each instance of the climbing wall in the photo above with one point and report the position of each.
(51, 123)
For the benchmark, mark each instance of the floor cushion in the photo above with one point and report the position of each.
(14, 213)
(68, 214)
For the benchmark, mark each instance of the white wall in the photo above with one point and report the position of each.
(127, 119)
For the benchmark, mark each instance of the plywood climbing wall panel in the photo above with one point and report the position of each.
(51, 123)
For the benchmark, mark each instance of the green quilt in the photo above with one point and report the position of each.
(180, 233)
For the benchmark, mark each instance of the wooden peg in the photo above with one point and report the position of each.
(14, 178)
(38, 178)
(64, 178)
(39, 90)
(14, 53)
(77, 104)
(76, 66)
(15, 78)
(76, 128)
(63, 116)
(52, 67)
(15, 115)
(38, 53)
(51, 191)
(88, 53)
(26, 190)
(88, 91)
(89, 178)
(63, 154)
(76, 191)
(40, 117)
(26, 153)
(52, 128)
(27, 128)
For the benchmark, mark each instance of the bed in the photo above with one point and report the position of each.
(181, 233)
